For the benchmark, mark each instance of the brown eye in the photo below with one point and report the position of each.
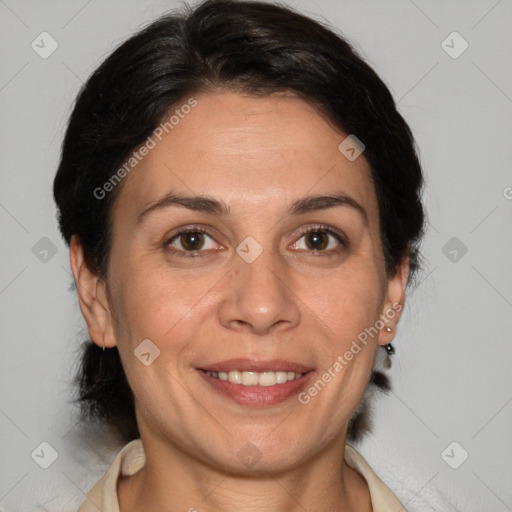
(192, 241)
(322, 240)
(317, 240)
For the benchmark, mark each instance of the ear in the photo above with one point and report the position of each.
(394, 302)
(92, 297)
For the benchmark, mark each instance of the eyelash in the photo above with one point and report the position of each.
(320, 228)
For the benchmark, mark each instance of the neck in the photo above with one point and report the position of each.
(172, 480)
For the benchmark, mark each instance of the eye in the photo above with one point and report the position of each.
(192, 240)
(316, 240)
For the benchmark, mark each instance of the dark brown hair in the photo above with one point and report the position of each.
(251, 47)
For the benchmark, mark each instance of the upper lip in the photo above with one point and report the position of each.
(256, 365)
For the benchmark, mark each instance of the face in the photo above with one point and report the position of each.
(261, 281)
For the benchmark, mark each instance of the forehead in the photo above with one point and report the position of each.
(250, 152)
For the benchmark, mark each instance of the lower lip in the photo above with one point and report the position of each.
(258, 396)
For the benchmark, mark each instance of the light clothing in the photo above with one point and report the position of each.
(103, 496)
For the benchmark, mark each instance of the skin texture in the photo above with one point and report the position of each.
(257, 155)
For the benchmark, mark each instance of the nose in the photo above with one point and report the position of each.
(259, 296)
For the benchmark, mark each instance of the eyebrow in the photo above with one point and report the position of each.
(211, 205)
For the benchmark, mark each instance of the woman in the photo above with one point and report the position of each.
(242, 203)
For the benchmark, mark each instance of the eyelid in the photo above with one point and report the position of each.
(325, 228)
(184, 230)
(318, 227)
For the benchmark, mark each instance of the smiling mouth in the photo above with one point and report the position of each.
(260, 379)
(257, 389)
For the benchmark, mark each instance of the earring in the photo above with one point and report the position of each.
(389, 349)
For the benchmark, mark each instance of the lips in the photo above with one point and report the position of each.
(257, 396)
(253, 365)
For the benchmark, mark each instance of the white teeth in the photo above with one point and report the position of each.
(255, 378)
(281, 377)
(249, 378)
(234, 377)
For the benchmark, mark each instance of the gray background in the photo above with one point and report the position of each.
(451, 372)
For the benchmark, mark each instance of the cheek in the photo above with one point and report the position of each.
(347, 303)
(152, 306)
(161, 305)
(345, 311)
(144, 295)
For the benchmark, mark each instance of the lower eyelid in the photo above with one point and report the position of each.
(339, 238)
(341, 243)
(177, 236)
